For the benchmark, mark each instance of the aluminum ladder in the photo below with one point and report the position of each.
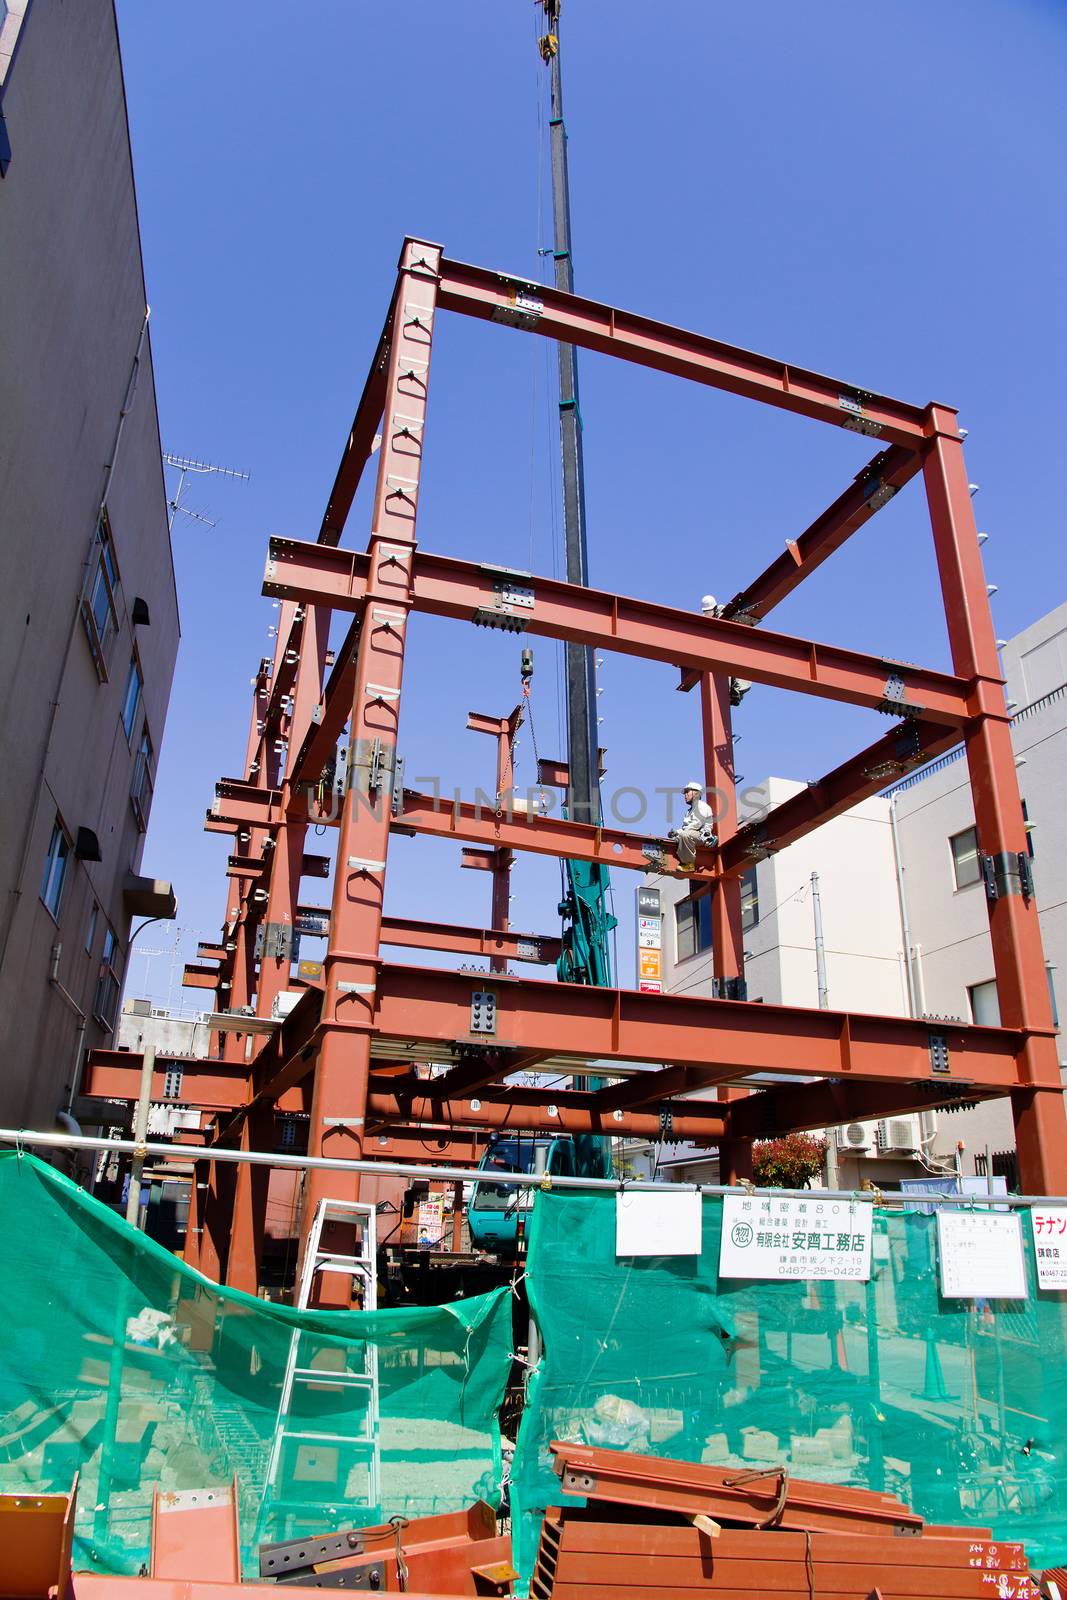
(301, 1374)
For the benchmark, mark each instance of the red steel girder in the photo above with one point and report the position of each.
(465, 821)
(314, 746)
(476, 823)
(792, 1107)
(900, 750)
(207, 1081)
(497, 297)
(725, 1037)
(447, 587)
(555, 1112)
(418, 935)
(878, 481)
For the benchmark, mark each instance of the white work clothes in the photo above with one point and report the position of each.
(697, 827)
(698, 814)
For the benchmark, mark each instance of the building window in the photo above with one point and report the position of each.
(985, 1007)
(143, 781)
(692, 921)
(965, 863)
(99, 612)
(55, 869)
(132, 698)
(106, 996)
(749, 900)
(90, 932)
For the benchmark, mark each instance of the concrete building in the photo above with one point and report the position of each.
(88, 646)
(843, 880)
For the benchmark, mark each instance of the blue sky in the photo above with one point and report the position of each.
(876, 193)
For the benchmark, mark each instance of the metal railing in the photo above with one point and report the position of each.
(23, 1138)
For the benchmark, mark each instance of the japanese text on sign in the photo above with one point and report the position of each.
(765, 1237)
(1049, 1227)
(981, 1256)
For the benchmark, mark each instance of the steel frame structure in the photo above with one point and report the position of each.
(349, 1052)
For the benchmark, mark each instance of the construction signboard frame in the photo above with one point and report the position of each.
(347, 1054)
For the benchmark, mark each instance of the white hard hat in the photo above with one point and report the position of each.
(693, 785)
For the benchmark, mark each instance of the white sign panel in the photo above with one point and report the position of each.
(1049, 1227)
(981, 1256)
(764, 1237)
(658, 1224)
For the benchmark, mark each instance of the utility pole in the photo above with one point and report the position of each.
(820, 947)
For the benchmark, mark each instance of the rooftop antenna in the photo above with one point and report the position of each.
(183, 465)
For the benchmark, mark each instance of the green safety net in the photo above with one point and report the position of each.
(120, 1363)
(957, 1407)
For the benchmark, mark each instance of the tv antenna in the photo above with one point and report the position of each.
(183, 465)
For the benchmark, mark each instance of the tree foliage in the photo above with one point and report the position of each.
(789, 1162)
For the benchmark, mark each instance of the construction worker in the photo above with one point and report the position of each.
(698, 827)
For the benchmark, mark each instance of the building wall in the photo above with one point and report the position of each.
(72, 311)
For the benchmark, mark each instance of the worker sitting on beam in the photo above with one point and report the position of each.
(697, 829)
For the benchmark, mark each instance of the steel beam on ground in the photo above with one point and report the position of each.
(879, 480)
(498, 297)
(445, 586)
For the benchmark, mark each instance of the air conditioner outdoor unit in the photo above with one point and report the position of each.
(854, 1136)
(899, 1133)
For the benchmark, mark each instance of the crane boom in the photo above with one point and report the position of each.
(586, 952)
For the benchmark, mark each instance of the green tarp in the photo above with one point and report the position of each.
(120, 1363)
(958, 1407)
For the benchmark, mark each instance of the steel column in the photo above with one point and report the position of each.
(352, 959)
(1018, 958)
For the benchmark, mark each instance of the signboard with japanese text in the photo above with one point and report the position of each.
(650, 986)
(981, 1256)
(768, 1237)
(431, 1223)
(648, 964)
(649, 933)
(648, 902)
(1049, 1227)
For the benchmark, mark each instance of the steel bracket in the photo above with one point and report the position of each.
(483, 1011)
(729, 989)
(939, 1061)
(299, 1555)
(666, 1122)
(398, 784)
(367, 1579)
(1008, 872)
(277, 941)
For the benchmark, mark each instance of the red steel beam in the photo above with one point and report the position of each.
(244, 804)
(723, 1036)
(872, 488)
(314, 746)
(447, 587)
(410, 932)
(536, 1117)
(477, 823)
(792, 1108)
(360, 442)
(903, 748)
(496, 297)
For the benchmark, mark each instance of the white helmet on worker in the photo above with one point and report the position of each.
(699, 787)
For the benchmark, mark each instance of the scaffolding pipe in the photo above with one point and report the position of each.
(21, 1137)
